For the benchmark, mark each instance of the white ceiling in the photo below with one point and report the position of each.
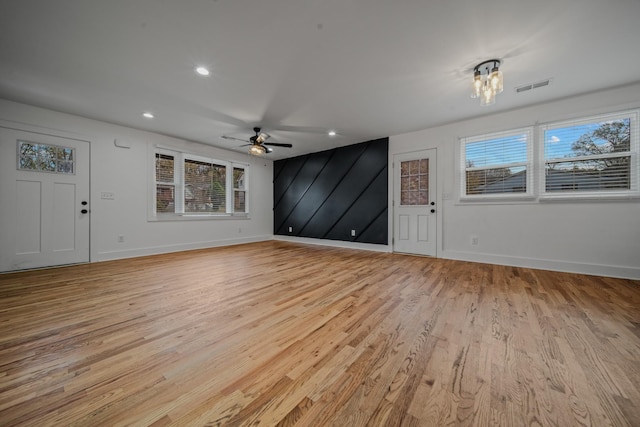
(366, 68)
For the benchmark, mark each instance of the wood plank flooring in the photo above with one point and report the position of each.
(282, 334)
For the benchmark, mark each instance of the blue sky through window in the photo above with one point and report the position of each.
(559, 141)
(497, 151)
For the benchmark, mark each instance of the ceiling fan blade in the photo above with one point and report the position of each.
(278, 144)
(233, 138)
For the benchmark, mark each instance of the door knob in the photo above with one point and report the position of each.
(84, 203)
(84, 211)
(433, 203)
(433, 211)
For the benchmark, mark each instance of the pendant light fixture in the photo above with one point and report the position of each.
(487, 81)
(257, 150)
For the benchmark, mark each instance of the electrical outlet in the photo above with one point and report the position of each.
(353, 233)
(107, 195)
(474, 240)
(121, 238)
(290, 229)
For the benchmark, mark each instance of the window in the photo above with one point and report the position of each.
(239, 191)
(187, 184)
(165, 183)
(414, 182)
(204, 186)
(497, 165)
(595, 157)
(46, 158)
(591, 156)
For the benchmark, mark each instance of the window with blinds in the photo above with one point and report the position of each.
(204, 186)
(165, 183)
(498, 164)
(239, 190)
(594, 157)
(190, 185)
(590, 156)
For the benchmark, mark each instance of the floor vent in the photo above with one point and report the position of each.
(530, 86)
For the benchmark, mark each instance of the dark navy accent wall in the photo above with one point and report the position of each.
(325, 195)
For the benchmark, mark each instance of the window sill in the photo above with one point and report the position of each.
(496, 199)
(196, 217)
(550, 198)
(592, 197)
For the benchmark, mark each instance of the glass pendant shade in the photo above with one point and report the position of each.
(476, 89)
(257, 150)
(496, 80)
(488, 95)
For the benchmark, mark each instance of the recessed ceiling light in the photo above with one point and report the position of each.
(332, 133)
(202, 71)
(148, 115)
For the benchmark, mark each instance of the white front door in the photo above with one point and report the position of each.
(414, 207)
(44, 200)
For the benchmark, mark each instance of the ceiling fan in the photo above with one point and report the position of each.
(257, 144)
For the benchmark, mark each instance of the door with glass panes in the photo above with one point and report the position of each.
(44, 188)
(414, 207)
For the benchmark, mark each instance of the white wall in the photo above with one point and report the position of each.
(600, 238)
(594, 237)
(125, 172)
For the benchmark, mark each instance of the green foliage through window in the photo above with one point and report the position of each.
(39, 157)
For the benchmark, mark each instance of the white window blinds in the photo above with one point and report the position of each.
(591, 155)
(497, 164)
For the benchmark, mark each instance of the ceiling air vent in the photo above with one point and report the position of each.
(536, 85)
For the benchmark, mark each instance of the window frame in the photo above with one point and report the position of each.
(244, 189)
(179, 158)
(174, 183)
(634, 148)
(536, 180)
(529, 166)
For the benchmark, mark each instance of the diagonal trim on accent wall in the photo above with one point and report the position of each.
(328, 194)
(316, 166)
(358, 200)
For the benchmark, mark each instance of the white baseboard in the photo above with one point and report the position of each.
(542, 264)
(156, 250)
(335, 243)
(545, 264)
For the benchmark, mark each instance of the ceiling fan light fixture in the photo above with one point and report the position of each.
(257, 150)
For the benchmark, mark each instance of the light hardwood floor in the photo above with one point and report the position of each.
(276, 333)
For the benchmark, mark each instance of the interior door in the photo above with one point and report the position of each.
(414, 207)
(44, 189)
